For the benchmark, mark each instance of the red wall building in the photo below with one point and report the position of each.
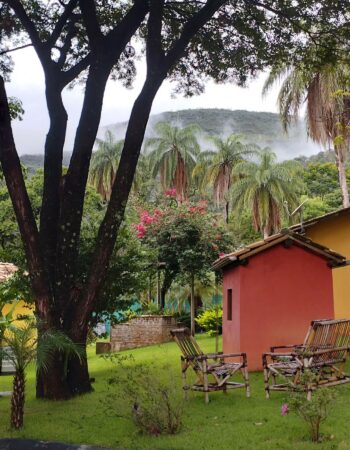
(272, 291)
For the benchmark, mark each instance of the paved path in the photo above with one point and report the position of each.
(29, 444)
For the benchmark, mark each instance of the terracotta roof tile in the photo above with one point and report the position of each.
(257, 247)
(6, 270)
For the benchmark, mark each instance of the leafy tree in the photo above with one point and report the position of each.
(187, 240)
(314, 207)
(321, 180)
(126, 277)
(264, 187)
(174, 155)
(85, 40)
(218, 166)
(325, 112)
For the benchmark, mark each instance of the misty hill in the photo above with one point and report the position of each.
(35, 162)
(262, 128)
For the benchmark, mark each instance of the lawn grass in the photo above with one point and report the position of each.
(227, 422)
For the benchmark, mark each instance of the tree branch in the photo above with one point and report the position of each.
(154, 51)
(88, 9)
(190, 29)
(21, 47)
(12, 170)
(61, 22)
(71, 74)
(28, 25)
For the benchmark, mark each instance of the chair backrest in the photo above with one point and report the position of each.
(188, 345)
(328, 334)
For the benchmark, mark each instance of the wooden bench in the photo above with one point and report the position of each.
(324, 352)
(212, 371)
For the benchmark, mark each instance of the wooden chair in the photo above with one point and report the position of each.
(325, 351)
(213, 373)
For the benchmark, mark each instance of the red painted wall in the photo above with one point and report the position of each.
(274, 299)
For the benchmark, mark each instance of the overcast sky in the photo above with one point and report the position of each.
(27, 83)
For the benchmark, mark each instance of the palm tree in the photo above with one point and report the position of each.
(218, 166)
(265, 187)
(326, 113)
(104, 164)
(22, 346)
(173, 156)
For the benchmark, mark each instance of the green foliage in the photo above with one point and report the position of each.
(152, 403)
(215, 168)
(266, 187)
(315, 207)
(125, 278)
(322, 180)
(187, 238)
(28, 343)
(151, 308)
(210, 321)
(16, 287)
(104, 164)
(312, 411)
(173, 156)
(16, 108)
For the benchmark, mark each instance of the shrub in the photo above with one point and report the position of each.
(314, 411)
(153, 404)
(211, 321)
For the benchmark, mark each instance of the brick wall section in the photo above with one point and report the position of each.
(142, 331)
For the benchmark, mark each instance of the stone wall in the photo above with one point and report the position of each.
(142, 331)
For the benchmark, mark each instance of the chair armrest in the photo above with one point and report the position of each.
(280, 354)
(272, 349)
(223, 356)
(291, 356)
(325, 351)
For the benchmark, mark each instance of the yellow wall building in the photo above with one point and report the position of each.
(21, 308)
(333, 231)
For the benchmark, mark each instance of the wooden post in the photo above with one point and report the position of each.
(150, 289)
(158, 289)
(192, 306)
(217, 315)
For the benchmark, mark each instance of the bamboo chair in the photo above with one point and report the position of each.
(325, 351)
(213, 373)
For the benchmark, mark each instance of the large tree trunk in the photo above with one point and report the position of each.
(339, 158)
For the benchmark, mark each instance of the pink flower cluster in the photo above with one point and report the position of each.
(200, 208)
(145, 220)
(141, 230)
(171, 193)
(284, 409)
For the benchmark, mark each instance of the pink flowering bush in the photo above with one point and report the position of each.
(171, 193)
(186, 237)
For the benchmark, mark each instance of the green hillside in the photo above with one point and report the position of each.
(262, 128)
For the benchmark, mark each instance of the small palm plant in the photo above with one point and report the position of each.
(28, 343)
